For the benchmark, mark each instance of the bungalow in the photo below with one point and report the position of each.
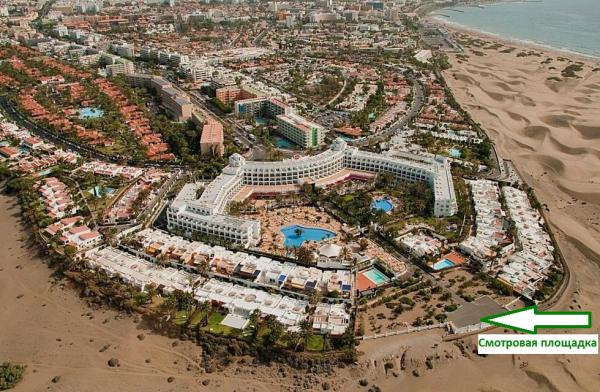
(9, 152)
(32, 143)
(330, 319)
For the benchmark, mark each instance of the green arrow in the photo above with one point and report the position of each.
(529, 319)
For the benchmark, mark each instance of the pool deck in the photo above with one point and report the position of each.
(456, 258)
(363, 283)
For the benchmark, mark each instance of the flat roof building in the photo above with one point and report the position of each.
(305, 133)
(211, 140)
(206, 214)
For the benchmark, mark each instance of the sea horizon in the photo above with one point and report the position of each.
(574, 26)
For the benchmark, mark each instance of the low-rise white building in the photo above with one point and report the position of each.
(529, 266)
(331, 319)
(489, 220)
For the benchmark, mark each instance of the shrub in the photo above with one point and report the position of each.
(10, 375)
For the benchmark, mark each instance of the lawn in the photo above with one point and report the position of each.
(214, 325)
(348, 197)
(180, 317)
(315, 343)
(196, 318)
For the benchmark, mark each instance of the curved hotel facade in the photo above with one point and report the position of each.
(207, 214)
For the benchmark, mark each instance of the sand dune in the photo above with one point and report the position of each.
(587, 131)
(553, 137)
(545, 126)
(551, 130)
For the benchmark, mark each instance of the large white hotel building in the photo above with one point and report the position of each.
(207, 214)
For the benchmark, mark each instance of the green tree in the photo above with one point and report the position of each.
(10, 375)
(276, 331)
(304, 255)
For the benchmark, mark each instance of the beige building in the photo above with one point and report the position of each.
(211, 140)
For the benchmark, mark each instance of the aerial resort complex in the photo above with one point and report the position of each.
(282, 196)
(241, 179)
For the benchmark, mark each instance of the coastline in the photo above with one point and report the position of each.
(546, 123)
(548, 126)
(455, 27)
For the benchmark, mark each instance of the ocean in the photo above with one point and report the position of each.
(571, 25)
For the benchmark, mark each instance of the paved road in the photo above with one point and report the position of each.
(332, 100)
(257, 41)
(417, 104)
(256, 149)
(24, 122)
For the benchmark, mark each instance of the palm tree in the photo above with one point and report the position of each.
(326, 342)
(168, 306)
(205, 308)
(255, 323)
(185, 303)
(292, 339)
(305, 331)
(275, 332)
(346, 253)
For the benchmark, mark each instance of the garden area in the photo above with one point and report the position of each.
(415, 302)
(261, 333)
(406, 199)
(470, 285)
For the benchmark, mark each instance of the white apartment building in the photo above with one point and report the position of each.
(330, 319)
(125, 67)
(489, 218)
(196, 71)
(301, 131)
(530, 265)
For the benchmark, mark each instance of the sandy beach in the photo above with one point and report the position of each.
(547, 124)
(550, 128)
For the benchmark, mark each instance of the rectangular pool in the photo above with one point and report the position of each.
(376, 276)
(443, 264)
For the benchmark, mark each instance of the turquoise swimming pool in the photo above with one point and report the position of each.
(282, 142)
(454, 153)
(86, 113)
(443, 264)
(382, 204)
(295, 235)
(376, 276)
(44, 173)
(108, 191)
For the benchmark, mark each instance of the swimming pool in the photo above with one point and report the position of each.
(443, 264)
(282, 142)
(454, 153)
(295, 235)
(86, 113)
(44, 173)
(108, 191)
(376, 276)
(382, 204)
